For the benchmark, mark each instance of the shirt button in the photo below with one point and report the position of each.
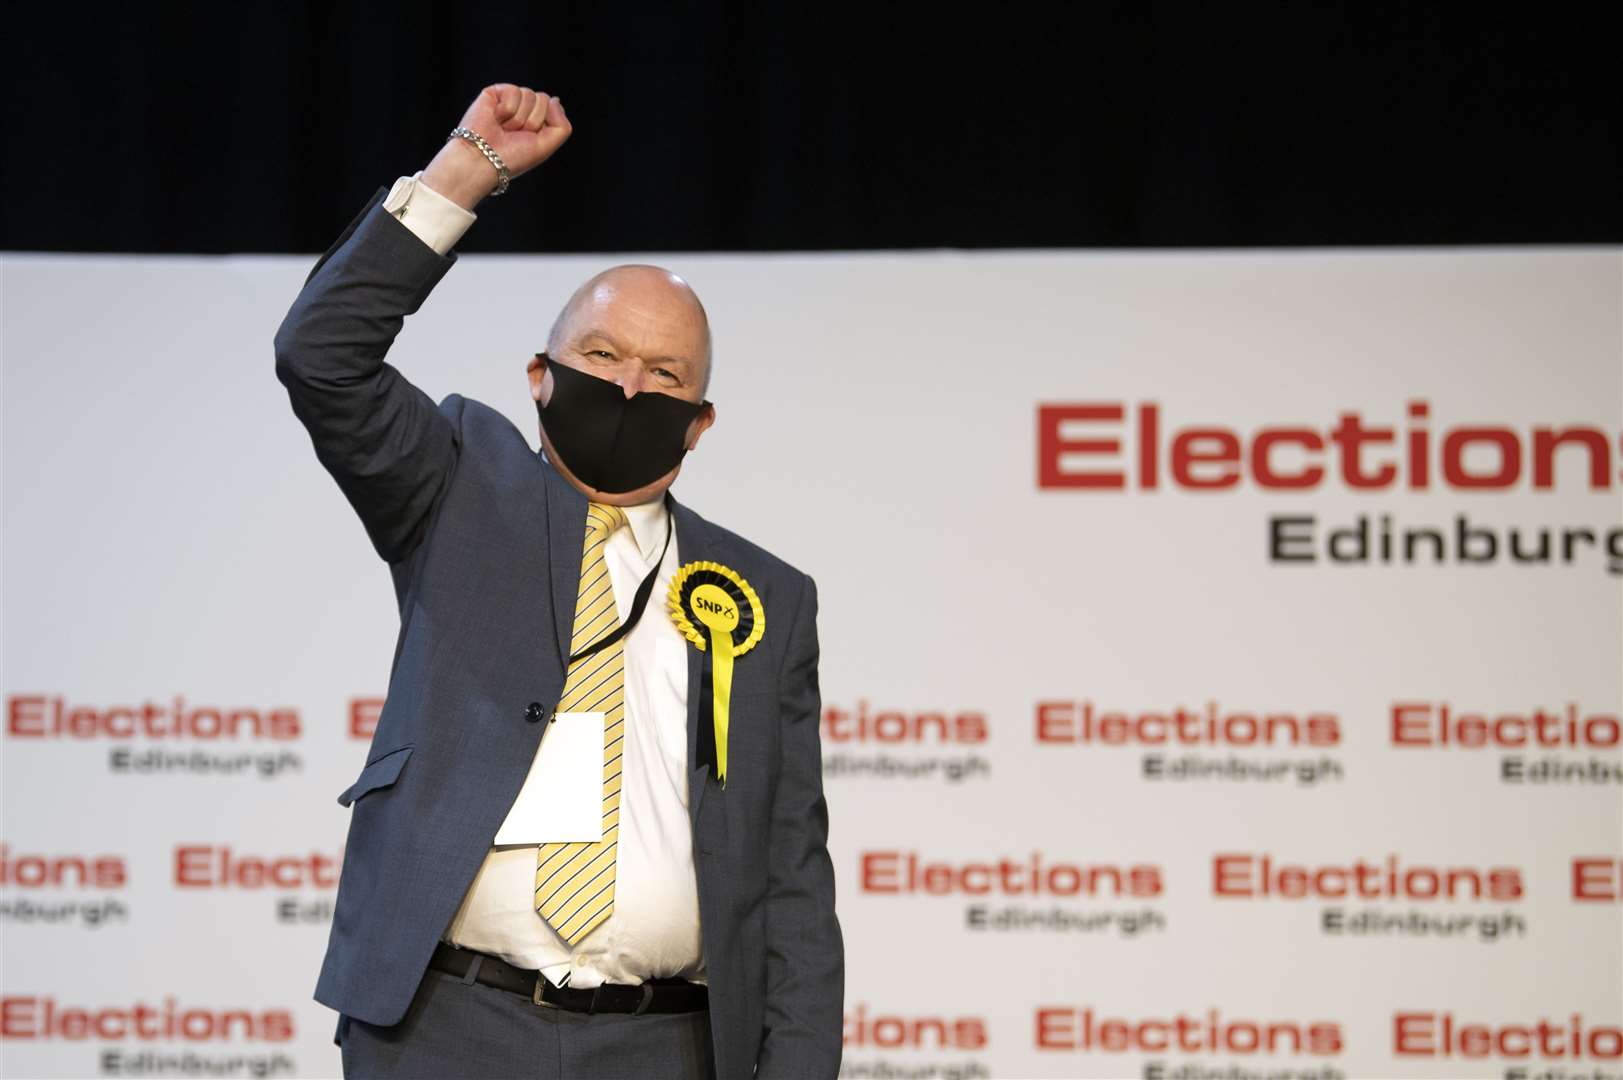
(535, 712)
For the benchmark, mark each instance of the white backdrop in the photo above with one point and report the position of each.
(168, 533)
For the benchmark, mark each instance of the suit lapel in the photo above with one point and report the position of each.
(695, 541)
(566, 538)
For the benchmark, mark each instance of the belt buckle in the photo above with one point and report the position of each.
(535, 995)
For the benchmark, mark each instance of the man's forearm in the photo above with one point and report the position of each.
(461, 173)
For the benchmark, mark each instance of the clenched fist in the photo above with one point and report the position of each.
(522, 125)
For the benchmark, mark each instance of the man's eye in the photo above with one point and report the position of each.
(665, 372)
(604, 353)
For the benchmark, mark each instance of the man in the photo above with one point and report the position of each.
(582, 844)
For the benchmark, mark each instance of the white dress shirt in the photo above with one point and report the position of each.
(436, 220)
(654, 928)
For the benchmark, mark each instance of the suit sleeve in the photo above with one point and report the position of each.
(382, 439)
(805, 954)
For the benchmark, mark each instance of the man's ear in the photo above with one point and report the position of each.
(536, 369)
(700, 424)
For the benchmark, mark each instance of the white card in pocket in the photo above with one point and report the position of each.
(562, 797)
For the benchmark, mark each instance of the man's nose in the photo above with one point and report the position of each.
(631, 379)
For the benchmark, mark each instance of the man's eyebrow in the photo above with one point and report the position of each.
(603, 334)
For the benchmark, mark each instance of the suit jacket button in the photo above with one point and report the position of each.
(535, 712)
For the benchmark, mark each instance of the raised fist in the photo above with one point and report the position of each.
(523, 126)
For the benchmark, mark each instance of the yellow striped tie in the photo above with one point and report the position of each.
(574, 880)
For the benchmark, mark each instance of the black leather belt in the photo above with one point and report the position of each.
(653, 996)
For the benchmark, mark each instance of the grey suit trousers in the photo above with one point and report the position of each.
(457, 1028)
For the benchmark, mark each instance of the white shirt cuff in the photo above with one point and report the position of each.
(432, 218)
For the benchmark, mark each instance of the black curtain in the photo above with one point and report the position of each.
(766, 126)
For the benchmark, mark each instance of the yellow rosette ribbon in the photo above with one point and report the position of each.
(720, 614)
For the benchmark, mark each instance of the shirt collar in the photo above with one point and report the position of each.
(647, 522)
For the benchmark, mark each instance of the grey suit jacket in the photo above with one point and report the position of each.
(483, 541)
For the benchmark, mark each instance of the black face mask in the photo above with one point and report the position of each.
(612, 442)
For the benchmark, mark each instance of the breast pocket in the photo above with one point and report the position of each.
(379, 773)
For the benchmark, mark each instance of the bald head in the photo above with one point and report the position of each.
(643, 329)
(643, 313)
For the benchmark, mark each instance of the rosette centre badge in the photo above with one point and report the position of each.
(719, 613)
